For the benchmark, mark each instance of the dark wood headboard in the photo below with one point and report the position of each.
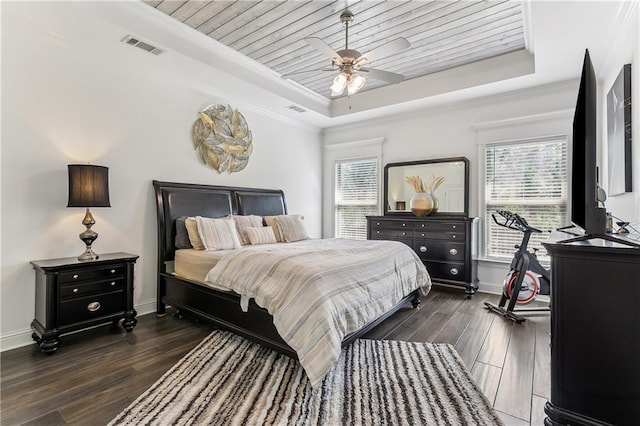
(185, 199)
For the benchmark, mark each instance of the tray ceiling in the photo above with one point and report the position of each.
(443, 34)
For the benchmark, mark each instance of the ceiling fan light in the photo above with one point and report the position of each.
(339, 83)
(355, 83)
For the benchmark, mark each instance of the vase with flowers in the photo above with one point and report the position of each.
(424, 202)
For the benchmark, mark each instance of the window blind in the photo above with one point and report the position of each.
(529, 179)
(356, 196)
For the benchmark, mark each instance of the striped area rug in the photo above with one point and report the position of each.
(227, 380)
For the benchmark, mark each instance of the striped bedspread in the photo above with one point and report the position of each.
(319, 291)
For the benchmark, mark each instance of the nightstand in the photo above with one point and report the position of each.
(73, 295)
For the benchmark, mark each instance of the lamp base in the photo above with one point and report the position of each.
(88, 236)
(88, 255)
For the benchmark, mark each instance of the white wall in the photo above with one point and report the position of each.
(71, 92)
(624, 50)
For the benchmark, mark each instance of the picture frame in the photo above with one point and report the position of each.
(619, 134)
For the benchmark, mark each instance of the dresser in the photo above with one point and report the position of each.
(444, 244)
(72, 295)
(595, 334)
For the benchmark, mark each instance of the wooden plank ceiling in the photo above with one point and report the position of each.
(443, 34)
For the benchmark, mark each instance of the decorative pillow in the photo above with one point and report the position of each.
(218, 234)
(271, 221)
(192, 231)
(244, 222)
(182, 237)
(261, 235)
(291, 228)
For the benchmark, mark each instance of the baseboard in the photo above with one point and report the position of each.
(20, 338)
(490, 288)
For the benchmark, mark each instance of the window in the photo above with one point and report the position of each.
(356, 196)
(528, 178)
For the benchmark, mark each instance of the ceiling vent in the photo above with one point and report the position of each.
(133, 41)
(296, 108)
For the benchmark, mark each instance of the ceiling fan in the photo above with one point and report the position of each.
(351, 63)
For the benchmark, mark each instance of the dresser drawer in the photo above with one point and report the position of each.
(457, 227)
(391, 234)
(448, 236)
(80, 289)
(446, 270)
(441, 250)
(90, 307)
(391, 224)
(91, 274)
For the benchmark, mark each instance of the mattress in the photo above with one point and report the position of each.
(195, 264)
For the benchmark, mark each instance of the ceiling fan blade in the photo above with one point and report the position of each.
(292, 74)
(325, 49)
(387, 76)
(394, 46)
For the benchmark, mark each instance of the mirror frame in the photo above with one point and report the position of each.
(465, 160)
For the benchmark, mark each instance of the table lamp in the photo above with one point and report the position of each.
(88, 187)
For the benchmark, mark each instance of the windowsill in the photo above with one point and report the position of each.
(500, 261)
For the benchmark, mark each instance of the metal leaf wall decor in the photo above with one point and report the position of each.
(222, 139)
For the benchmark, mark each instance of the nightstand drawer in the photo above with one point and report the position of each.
(80, 289)
(85, 308)
(91, 274)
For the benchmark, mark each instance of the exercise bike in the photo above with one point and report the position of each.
(521, 287)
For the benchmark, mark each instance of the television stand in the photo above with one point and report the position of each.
(606, 237)
(564, 229)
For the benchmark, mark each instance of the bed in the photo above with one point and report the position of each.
(220, 306)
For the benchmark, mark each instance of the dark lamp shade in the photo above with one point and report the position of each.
(88, 186)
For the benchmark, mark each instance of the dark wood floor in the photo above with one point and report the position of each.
(97, 373)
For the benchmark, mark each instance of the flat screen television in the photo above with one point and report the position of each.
(585, 211)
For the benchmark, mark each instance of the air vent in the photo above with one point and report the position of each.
(133, 41)
(296, 108)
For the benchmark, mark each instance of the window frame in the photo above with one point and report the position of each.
(335, 205)
(483, 183)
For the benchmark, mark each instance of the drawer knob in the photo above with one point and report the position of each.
(75, 290)
(453, 236)
(453, 226)
(404, 233)
(454, 271)
(423, 249)
(404, 224)
(423, 225)
(377, 223)
(453, 252)
(75, 276)
(113, 271)
(93, 306)
(377, 232)
(422, 235)
(113, 283)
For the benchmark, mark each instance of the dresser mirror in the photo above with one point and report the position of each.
(452, 193)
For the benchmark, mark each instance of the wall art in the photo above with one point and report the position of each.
(222, 139)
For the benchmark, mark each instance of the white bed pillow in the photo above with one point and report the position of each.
(261, 235)
(291, 228)
(218, 234)
(192, 231)
(244, 222)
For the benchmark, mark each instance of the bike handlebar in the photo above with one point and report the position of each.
(514, 221)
